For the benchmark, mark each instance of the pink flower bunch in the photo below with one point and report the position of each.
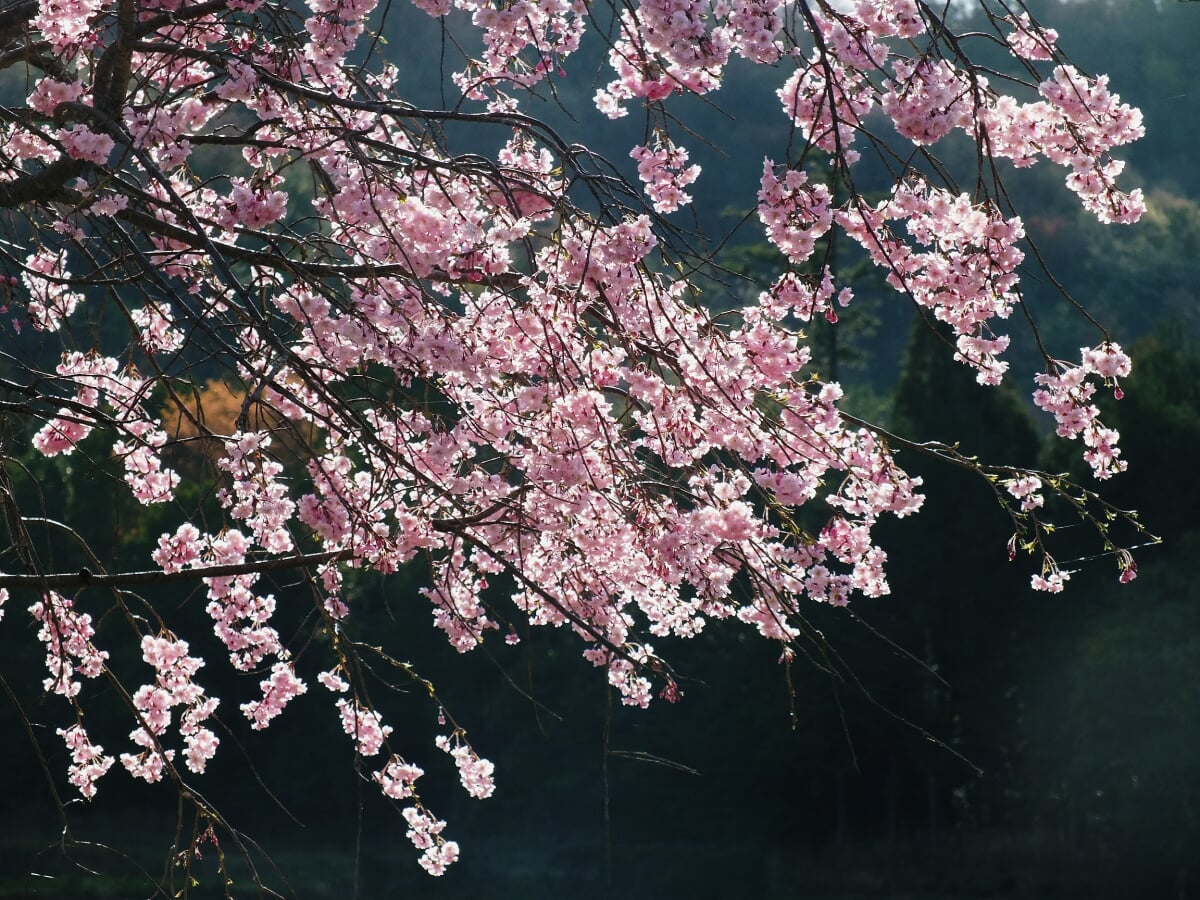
(524, 40)
(148, 479)
(1076, 125)
(88, 761)
(1031, 41)
(180, 550)
(1066, 393)
(68, 24)
(850, 543)
(962, 263)
(98, 381)
(250, 207)
(665, 173)
(474, 771)
(776, 354)
(174, 686)
(23, 145)
(163, 131)
(50, 301)
(334, 29)
(532, 178)
(1088, 122)
(156, 329)
(258, 498)
(241, 82)
(1026, 489)
(457, 609)
(60, 435)
(241, 617)
(828, 101)
(753, 26)
(151, 763)
(425, 833)
(664, 48)
(887, 18)
(1108, 361)
(1051, 581)
(397, 778)
(804, 296)
(332, 681)
(48, 93)
(81, 142)
(280, 689)
(364, 725)
(928, 99)
(625, 673)
(67, 635)
(795, 212)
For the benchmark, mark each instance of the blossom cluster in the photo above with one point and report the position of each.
(425, 832)
(474, 771)
(364, 725)
(665, 173)
(88, 761)
(794, 212)
(1066, 393)
(278, 690)
(173, 686)
(98, 381)
(67, 635)
(961, 263)
(49, 301)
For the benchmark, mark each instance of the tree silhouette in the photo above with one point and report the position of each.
(453, 336)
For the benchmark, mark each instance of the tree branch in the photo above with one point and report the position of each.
(86, 578)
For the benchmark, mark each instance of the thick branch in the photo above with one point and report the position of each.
(86, 578)
(14, 21)
(42, 186)
(280, 262)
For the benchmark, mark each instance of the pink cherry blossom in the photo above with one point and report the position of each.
(1052, 582)
(81, 142)
(1031, 41)
(67, 24)
(1066, 393)
(425, 833)
(1026, 489)
(665, 173)
(332, 681)
(50, 302)
(397, 778)
(67, 635)
(88, 761)
(277, 692)
(474, 771)
(364, 725)
(48, 93)
(155, 326)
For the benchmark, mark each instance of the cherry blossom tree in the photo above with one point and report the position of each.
(508, 363)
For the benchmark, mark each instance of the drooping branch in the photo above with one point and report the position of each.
(454, 354)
